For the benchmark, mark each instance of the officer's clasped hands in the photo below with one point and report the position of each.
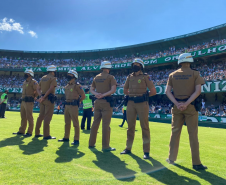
(40, 100)
(181, 106)
(99, 96)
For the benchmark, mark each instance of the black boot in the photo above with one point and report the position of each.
(63, 140)
(169, 161)
(108, 149)
(76, 142)
(27, 135)
(92, 146)
(146, 156)
(40, 135)
(49, 137)
(126, 151)
(199, 167)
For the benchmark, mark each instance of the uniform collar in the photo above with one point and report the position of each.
(141, 73)
(50, 75)
(185, 67)
(104, 72)
(71, 83)
(28, 80)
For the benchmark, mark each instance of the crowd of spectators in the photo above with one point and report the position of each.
(209, 71)
(17, 63)
(214, 71)
(213, 110)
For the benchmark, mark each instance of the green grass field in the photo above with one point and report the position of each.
(36, 161)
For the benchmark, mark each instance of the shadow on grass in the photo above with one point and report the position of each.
(34, 147)
(205, 175)
(16, 140)
(162, 174)
(108, 162)
(67, 153)
(86, 131)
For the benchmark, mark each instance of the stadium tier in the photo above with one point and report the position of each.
(208, 47)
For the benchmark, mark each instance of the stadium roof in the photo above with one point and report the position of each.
(217, 32)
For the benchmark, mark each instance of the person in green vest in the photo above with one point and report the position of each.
(87, 110)
(123, 111)
(3, 103)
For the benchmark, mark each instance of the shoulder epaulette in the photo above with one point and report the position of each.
(194, 69)
(35, 82)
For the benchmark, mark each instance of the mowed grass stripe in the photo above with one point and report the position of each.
(36, 161)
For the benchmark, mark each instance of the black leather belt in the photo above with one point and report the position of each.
(179, 100)
(131, 98)
(74, 103)
(28, 99)
(137, 99)
(109, 99)
(70, 103)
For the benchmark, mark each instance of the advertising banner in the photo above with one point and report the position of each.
(214, 119)
(209, 87)
(163, 60)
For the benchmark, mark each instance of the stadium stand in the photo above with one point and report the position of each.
(18, 63)
(211, 66)
(209, 71)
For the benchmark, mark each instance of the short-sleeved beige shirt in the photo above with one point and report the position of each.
(72, 91)
(138, 85)
(183, 82)
(46, 82)
(29, 88)
(103, 82)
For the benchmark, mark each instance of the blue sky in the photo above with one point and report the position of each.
(65, 25)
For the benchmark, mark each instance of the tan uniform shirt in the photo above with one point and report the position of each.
(46, 82)
(72, 91)
(103, 82)
(138, 85)
(29, 88)
(183, 82)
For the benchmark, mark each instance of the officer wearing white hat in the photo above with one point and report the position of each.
(27, 103)
(103, 86)
(138, 104)
(72, 92)
(105, 65)
(47, 85)
(186, 84)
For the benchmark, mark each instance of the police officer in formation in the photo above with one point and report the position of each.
(124, 104)
(186, 84)
(47, 87)
(87, 110)
(72, 92)
(138, 104)
(26, 109)
(3, 103)
(103, 86)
